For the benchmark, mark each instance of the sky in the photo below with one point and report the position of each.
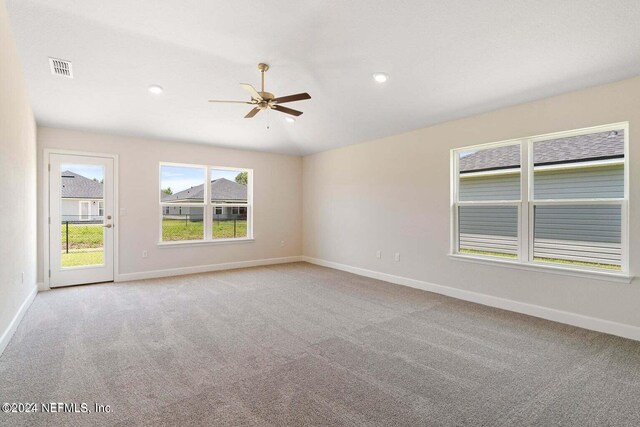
(88, 171)
(180, 177)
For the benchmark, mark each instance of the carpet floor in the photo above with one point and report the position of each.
(298, 344)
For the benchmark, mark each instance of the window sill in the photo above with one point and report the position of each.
(187, 243)
(546, 268)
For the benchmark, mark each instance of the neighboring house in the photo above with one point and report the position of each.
(82, 198)
(589, 166)
(222, 191)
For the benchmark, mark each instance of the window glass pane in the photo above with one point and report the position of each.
(579, 167)
(579, 235)
(229, 222)
(488, 230)
(181, 184)
(229, 186)
(490, 174)
(81, 212)
(182, 223)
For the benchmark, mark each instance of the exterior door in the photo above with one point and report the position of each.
(81, 225)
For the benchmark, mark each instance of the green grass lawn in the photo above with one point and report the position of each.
(82, 236)
(177, 229)
(579, 263)
(76, 259)
(489, 253)
(225, 229)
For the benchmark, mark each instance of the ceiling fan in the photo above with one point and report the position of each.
(266, 100)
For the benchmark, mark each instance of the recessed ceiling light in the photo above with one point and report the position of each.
(155, 89)
(290, 119)
(380, 77)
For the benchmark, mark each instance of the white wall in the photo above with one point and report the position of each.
(18, 183)
(277, 199)
(393, 195)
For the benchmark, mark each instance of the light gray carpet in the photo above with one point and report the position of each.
(298, 344)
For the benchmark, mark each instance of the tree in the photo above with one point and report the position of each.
(242, 178)
(168, 191)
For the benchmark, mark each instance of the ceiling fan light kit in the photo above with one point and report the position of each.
(380, 77)
(264, 100)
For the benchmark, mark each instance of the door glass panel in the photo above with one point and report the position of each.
(81, 204)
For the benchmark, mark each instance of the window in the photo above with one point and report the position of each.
(556, 199)
(230, 191)
(100, 209)
(193, 211)
(85, 211)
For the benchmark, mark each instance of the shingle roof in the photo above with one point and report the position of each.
(582, 148)
(221, 189)
(79, 187)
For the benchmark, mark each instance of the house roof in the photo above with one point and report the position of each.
(79, 187)
(222, 189)
(573, 149)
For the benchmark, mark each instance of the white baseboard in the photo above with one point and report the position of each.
(154, 274)
(7, 334)
(574, 319)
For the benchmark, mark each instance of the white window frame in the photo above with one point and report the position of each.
(527, 203)
(208, 207)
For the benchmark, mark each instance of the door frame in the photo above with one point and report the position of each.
(44, 235)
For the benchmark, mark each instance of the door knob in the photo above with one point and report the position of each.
(107, 226)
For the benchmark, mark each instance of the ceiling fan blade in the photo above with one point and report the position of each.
(254, 93)
(291, 98)
(231, 102)
(287, 110)
(252, 113)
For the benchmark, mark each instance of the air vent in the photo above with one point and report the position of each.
(60, 67)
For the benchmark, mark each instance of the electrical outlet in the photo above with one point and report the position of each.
(145, 254)
(397, 256)
(282, 243)
(378, 254)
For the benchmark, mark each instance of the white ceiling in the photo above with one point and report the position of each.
(446, 60)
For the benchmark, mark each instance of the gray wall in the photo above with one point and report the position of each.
(588, 223)
(593, 182)
(497, 187)
(489, 220)
(583, 222)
